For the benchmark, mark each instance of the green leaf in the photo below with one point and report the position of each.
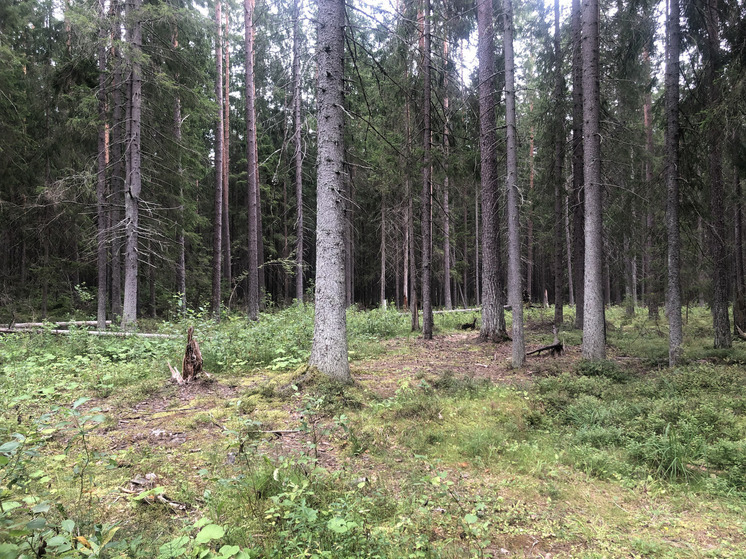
(209, 532)
(80, 402)
(10, 505)
(9, 447)
(8, 551)
(229, 550)
(41, 508)
(471, 518)
(68, 525)
(338, 525)
(37, 523)
(174, 548)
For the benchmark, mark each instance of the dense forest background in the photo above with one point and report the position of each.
(66, 159)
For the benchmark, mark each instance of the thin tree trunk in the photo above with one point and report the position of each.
(515, 291)
(559, 160)
(329, 349)
(568, 244)
(101, 243)
(133, 177)
(252, 171)
(181, 258)
(217, 232)
(673, 303)
(298, 155)
(117, 163)
(720, 318)
(594, 339)
(652, 283)
(578, 172)
(446, 185)
(426, 223)
(226, 240)
(383, 256)
(493, 319)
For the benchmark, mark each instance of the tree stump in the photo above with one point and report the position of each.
(191, 365)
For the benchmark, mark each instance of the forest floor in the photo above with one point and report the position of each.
(439, 447)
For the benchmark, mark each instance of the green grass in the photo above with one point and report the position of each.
(625, 458)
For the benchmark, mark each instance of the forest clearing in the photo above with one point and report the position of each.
(438, 449)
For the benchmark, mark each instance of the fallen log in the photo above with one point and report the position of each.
(58, 324)
(554, 349)
(4, 330)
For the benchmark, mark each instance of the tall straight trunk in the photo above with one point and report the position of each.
(413, 302)
(151, 280)
(133, 184)
(298, 155)
(383, 256)
(652, 281)
(101, 243)
(405, 258)
(559, 161)
(568, 247)
(426, 221)
(594, 338)
(252, 162)
(349, 247)
(181, 257)
(493, 318)
(446, 184)
(217, 231)
(578, 173)
(226, 162)
(477, 242)
(720, 318)
(515, 291)
(738, 233)
(329, 349)
(673, 294)
(117, 165)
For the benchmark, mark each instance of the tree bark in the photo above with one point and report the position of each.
(426, 220)
(557, 175)
(383, 256)
(252, 171)
(594, 339)
(217, 231)
(181, 258)
(673, 303)
(493, 318)
(329, 349)
(101, 243)
(447, 296)
(133, 184)
(226, 240)
(515, 291)
(720, 318)
(298, 155)
(578, 173)
(117, 165)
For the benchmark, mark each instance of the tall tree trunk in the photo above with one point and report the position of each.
(133, 184)
(383, 256)
(559, 160)
(426, 222)
(413, 302)
(720, 318)
(101, 243)
(673, 302)
(181, 258)
(252, 162)
(329, 349)
(578, 172)
(226, 240)
(493, 318)
(652, 280)
(298, 155)
(117, 165)
(349, 246)
(217, 232)
(568, 246)
(594, 339)
(515, 291)
(448, 301)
